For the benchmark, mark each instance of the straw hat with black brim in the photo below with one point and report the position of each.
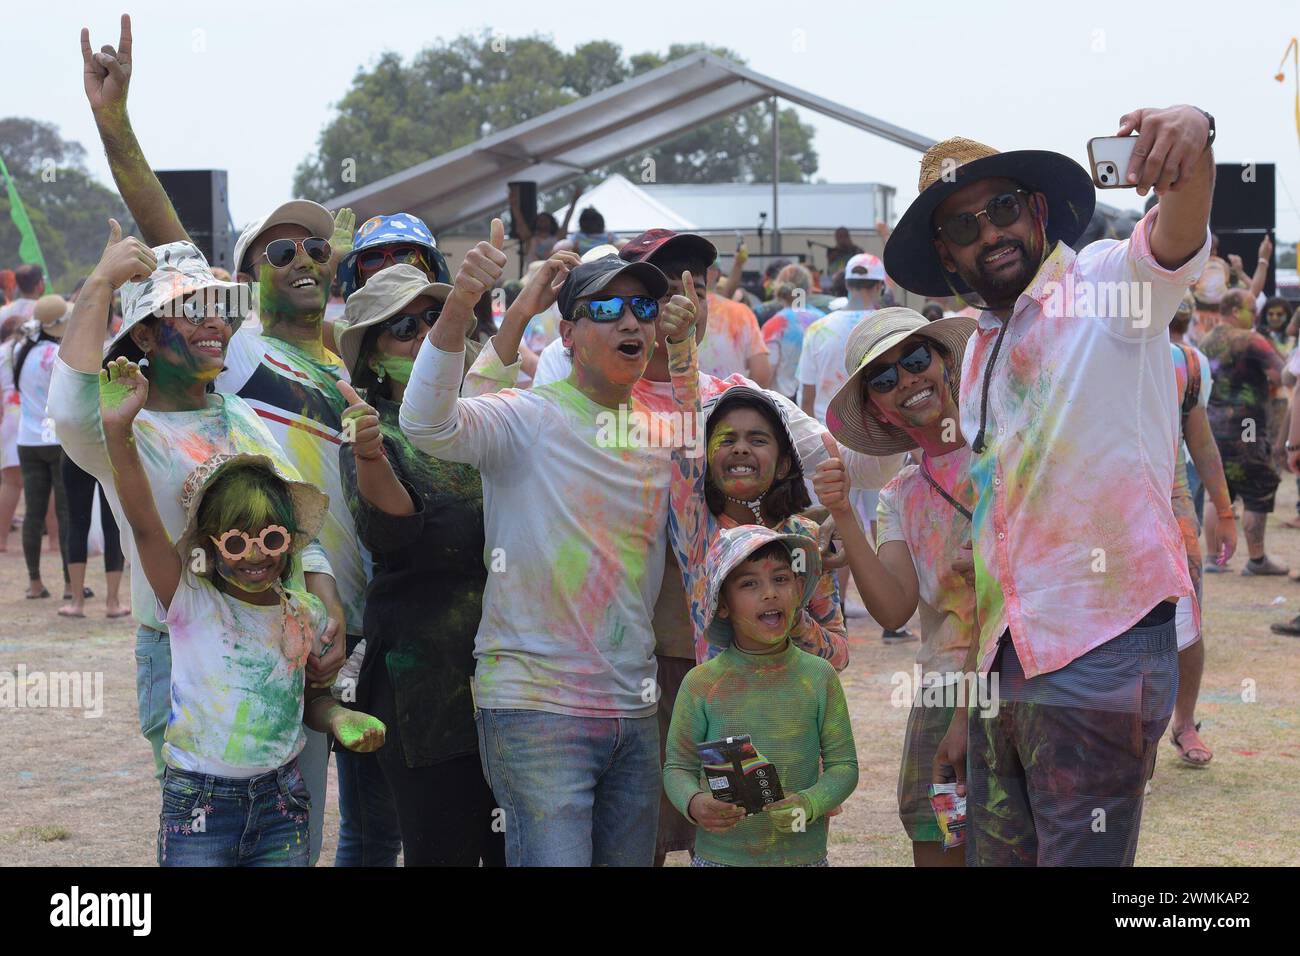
(849, 417)
(384, 295)
(946, 167)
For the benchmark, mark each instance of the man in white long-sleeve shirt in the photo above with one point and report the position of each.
(576, 530)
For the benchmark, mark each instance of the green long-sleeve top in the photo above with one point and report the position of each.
(792, 706)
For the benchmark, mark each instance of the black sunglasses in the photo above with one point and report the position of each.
(372, 260)
(281, 252)
(964, 228)
(406, 326)
(611, 307)
(915, 361)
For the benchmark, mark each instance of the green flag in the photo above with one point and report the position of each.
(29, 249)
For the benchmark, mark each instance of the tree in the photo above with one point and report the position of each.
(397, 115)
(68, 208)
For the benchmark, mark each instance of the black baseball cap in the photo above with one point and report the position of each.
(591, 277)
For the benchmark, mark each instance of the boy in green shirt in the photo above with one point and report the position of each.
(789, 702)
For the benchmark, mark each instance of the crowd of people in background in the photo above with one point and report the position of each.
(528, 554)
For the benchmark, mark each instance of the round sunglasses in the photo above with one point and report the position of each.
(281, 252)
(964, 228)
(406, 326)
(610, 308)
(234, 544)
(915, 361)
(372, 260)
(199, 306)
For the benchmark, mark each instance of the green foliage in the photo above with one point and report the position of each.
(68, 208)
(397, 115)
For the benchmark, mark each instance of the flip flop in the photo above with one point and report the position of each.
(125, 612)
(45, 592)
(1184, 751)
(63, 613)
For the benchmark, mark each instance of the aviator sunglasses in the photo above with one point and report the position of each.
(281, 252)
(273, 541)
(964, 228)
(915, 361)
(406, 326)
(611, 307)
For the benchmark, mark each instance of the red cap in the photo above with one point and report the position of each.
(655, 243)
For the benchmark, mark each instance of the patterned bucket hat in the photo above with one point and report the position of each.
(387, 231)
(310, 504)
(731, 549)
(181, 271)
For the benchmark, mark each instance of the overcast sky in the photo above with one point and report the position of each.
(1013, 75)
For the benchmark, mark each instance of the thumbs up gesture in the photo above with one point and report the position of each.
(361, 425)
(831, 480)
(482, 267)
(679, 315)
(124, 260)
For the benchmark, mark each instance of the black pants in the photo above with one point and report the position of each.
(79, 490)
(445, 810)
(41, 475)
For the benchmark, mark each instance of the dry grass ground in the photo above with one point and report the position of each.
(76, 791)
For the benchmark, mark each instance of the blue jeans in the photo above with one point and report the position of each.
(153, 683)
(221, 821)
(574, 791)
(368, 830)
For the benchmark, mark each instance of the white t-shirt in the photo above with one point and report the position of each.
(11, 405)
(297, 397)
(821, 363)
(237, 679)
(576, 529)
(35, 427)
(171, 445)
(553, 365)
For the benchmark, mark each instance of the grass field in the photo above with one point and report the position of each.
(80, 791)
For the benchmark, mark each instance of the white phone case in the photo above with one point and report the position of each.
(1108, 159)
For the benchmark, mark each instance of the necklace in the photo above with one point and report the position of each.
(755, 506)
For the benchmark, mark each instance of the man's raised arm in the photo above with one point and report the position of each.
(106, 76)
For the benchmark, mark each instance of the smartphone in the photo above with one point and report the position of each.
(1108, 158)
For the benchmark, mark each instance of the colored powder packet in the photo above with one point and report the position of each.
(739, 774)
(950, 811)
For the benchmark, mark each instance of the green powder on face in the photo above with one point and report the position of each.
(396, 367)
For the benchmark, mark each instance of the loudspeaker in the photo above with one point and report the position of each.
(1245, 243)
(524, 195)
(1245, 197)
(202, 204)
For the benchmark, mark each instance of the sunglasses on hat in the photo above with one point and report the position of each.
(610, 308)
(406, 326)
(372, 260)
(964, 228)
(235, 544)
(916, 361)
(281, 252)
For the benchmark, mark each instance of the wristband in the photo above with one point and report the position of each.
(1226, 514)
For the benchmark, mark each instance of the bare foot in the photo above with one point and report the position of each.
(115, 609)
(72, 610)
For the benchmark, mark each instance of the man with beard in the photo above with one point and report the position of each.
(1068, 403)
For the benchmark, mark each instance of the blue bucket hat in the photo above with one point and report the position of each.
(388, 230)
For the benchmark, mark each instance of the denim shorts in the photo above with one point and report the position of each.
(224, 821)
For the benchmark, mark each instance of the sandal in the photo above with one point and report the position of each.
(1185, 751)
(125, 612)
(45, 592)
(1291, 628)
(64, 612)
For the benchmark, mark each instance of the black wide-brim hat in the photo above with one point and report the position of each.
(910, 257)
